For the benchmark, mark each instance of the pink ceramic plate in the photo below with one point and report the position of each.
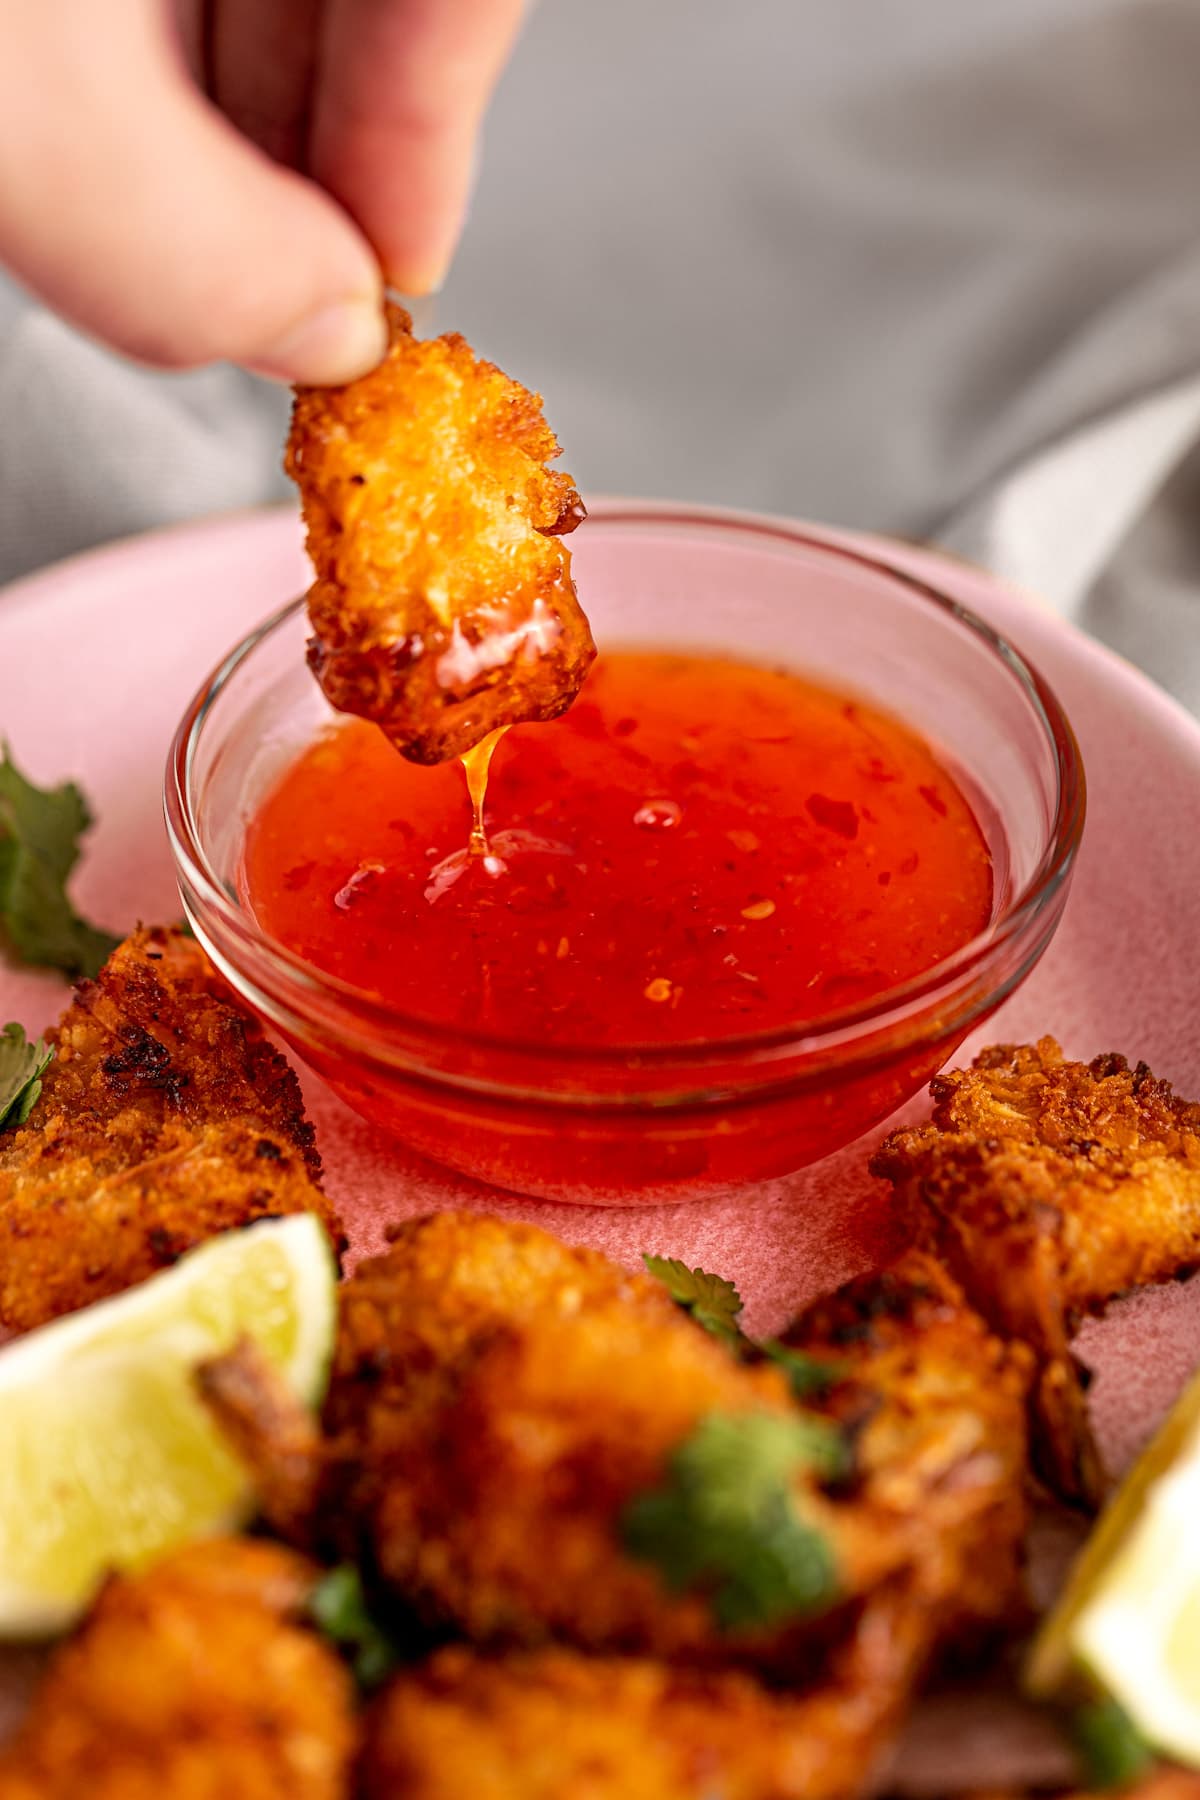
(99, 656)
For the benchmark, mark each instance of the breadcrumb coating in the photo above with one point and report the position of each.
(1049, 1187)
(195, 1681)
(497, 1398)
(553, 1725)
(443, 606)
(936, 1407)
(936, 1404)
(165, 1117)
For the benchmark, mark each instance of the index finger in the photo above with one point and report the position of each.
(402, 88)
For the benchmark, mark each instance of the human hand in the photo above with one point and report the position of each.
(191, 180)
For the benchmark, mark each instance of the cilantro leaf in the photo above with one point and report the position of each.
(725, 1521)
(338, 1607)
(40, 830)
(22, 1066)
(712, 1301)
(715, 1303)
(808, 1376)
(1113, 1750)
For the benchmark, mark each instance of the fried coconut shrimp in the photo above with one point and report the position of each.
(553, 1725)
(936, 1409)
(497, 1399)
(443, 606)
(195, 1680)
(1049, 1187)
(165, 1117)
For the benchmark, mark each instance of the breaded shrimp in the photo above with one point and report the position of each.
(1049, 1187)
(165, 1117)
(193, 1681)
(443, 606)
(497, 1399)
(553, 1725)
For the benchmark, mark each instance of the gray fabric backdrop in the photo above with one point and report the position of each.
(916, 265)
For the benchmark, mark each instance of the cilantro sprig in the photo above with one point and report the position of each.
(40, 829)
(725, 1522)
(338, 1607)
(714, 1302)
(22, 1066)
(808, 1376)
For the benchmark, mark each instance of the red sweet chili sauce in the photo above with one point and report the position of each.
(697, 850)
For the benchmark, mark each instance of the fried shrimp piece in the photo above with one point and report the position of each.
(1049, 1187)
(194, 1680)
(499, 1397)
(165, 1117)
(443, 606)
(497, 1400)
(936, 1406)
(553, 1725)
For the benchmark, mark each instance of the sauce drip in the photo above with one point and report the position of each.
(700, 848)
(476, 764)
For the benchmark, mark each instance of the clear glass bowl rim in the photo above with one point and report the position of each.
(375, 1022)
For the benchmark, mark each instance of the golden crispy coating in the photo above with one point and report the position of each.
(165, 1117)
(510, 1394)
(443, 606)
(552, 1725)
(497, 1399)
(192, 1681)
(937, 1408)
(1048, 1187)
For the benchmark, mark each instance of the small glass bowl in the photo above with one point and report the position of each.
(627, 1127)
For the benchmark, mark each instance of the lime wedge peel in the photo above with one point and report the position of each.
(107, 1456)
(1128, 1620)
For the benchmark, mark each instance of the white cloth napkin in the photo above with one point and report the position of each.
(909, 265)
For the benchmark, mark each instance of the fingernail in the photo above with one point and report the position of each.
(421, 282)
(332, 346)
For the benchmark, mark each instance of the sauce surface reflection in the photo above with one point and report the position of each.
(700, 848)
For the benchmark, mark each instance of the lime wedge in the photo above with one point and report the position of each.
(1129, 1617)
(107, 1457)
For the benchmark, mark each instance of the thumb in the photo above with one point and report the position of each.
(132, 207)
